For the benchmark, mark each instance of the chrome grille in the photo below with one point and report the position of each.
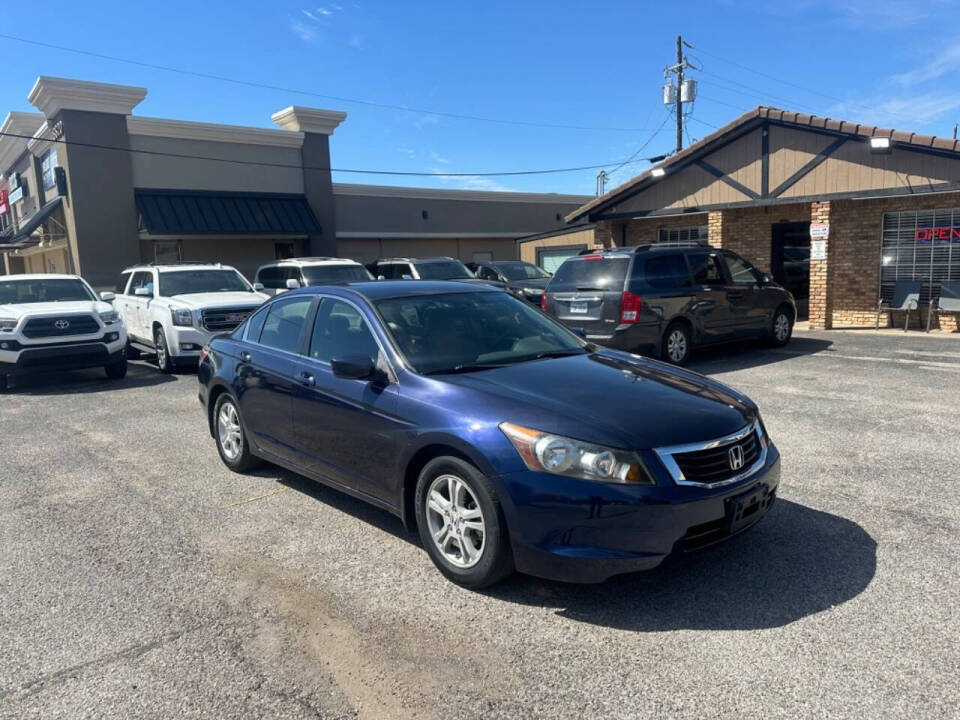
(223, 319)
(717, 462)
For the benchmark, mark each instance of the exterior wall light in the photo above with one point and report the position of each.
(880, 145)
(658, 172)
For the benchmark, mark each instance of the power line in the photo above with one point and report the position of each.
(296, 91)
(161, 153)
(644, 145)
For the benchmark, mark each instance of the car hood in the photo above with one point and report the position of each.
(614, 399)
(197, 301)
(19, 310)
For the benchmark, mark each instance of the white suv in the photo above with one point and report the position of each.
(56, 322)
(277, 277)
(174, 310)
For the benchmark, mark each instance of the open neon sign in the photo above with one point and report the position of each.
(925, 235)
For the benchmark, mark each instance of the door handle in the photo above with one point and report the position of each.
(306, 378)
(245, 356)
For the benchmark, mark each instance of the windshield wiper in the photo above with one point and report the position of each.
(465, 368)
(557, 354)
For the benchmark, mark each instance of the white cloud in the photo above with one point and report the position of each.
(904, 112)
(409, 152)
(310, 15)
(862, 14)
(303, 31)
(423, 121)
(945, 61)
(437, 158)
(471, 182)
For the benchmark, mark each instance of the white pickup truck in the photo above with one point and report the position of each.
(56, 322)
(174, 310)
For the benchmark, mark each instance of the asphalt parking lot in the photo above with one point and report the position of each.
(140, 578)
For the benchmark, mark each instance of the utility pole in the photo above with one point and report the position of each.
(679, 102)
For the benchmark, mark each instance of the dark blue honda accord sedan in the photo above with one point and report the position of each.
(508, 441)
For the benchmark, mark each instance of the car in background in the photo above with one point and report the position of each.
(282, 275)
(426, 268)
(663, 300)
(173, 310)
(57, 322)
(523, 279)
(504, 438)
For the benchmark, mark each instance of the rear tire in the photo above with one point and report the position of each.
(461, 524)
(117, 370)
(164, 361)
(781, 327)
(231, 437)
(677, 344)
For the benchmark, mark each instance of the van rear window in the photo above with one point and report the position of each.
(601, 272)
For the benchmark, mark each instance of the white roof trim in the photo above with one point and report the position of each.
(309, 120)
(18, 123)
(41, 141)
(388, 235)
(50, 95)
(212, 132)
(449, 194)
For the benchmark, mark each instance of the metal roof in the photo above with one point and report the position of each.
(200, 212)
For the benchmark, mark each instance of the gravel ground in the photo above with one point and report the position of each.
(140, 578)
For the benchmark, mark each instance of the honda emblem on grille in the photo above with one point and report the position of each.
(61, 324)
(735, 455)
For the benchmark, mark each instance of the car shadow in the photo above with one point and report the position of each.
(746, 354)
(90, 380)
(795, 562)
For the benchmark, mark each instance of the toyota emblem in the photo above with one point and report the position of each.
(735, 455)
(61, 324)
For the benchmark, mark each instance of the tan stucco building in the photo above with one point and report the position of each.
(90, 187)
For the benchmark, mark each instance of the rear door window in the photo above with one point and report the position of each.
(591, 272)
(660, 272)
(706, 269)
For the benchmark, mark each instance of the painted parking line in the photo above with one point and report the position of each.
(252, 499)
(925, 364)
(928, 353)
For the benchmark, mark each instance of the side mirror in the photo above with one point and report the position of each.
(381, 277)
(143, 292)
(108, 296)
(353, 367)
(766, 279)
(292, 283)
(258, 286)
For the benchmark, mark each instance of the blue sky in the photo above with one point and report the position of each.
(593, 64)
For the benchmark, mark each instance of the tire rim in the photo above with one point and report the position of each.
(229, 431)
(161, 350)
(455, 521)
(781, 328)
(677, 345)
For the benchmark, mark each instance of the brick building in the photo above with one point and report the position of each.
(881, 206)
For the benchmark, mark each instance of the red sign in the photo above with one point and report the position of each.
(4, 201)
(925, 235)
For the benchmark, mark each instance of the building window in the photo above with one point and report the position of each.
(694, 233)
(551, 258)
(47, 166)
(284, 250)
(923, 245)
(167, 251)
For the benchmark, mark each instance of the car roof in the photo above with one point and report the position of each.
(383, 289)
(436, 258)
(300, 262)
(170, 267)
(40, 276)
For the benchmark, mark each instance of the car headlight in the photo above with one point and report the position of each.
(110, 317)
(181, 317)
(7, 323)
(560, 455)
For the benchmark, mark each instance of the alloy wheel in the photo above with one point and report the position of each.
(229, 432)
(781, 327)
(455, 521)
(677, 345)
(161, 349)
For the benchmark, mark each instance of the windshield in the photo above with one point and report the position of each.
(457, 332)
(319, 274)
(521, 271)
(13, 292)
(443, 270)
(591, 272)
(185, 282)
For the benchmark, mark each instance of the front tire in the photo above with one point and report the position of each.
(461, 524)
(781, 327)
(231, 438)
(677, 344)
(117, 370)
(164, 361)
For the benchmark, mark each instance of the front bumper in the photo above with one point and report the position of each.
(42, 357)
(185, 341)
(577, 531)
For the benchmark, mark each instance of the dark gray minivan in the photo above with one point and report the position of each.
(662, 300)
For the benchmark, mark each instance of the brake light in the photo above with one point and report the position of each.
(630, 305)
(593, 257)
(543, 302)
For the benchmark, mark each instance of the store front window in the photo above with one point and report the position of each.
(48, 166)
(920, 245)
(551, 258)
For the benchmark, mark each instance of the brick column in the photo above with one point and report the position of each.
(715, 228)
(821, 294)
(603, 234)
